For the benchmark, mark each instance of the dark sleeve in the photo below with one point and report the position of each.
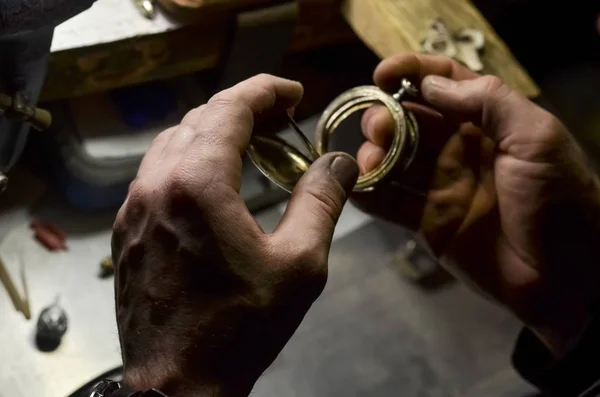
(577, 374)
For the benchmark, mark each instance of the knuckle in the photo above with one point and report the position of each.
(495, 88)
(550, 129)
(178, 182)
(222, 103)
(552, 123)
(221, 98)
(264, 78)
(196, 111)
(183, 186)
(264, 89)
(131, 213)
(138, 194)
(117, 240)
(131, 186)
(134, 207)
(163, 136)
(325, 203)
(119, 223)
(266, 94)
(119, 229)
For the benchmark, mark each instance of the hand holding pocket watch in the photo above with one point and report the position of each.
(494, 184)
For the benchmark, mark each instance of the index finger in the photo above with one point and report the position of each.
(414, 67)
(213, 139)
(229, 116)
(215, 135)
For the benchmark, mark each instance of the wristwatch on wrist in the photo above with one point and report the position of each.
(111, 388)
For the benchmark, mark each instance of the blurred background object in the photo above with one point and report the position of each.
(26, 30)
(559, 45)
(51, 326)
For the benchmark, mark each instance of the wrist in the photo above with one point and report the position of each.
(563, 334)
(174, 383)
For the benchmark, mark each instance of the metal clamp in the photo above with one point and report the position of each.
(16, 108)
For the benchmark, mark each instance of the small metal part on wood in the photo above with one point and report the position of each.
(146, 8)
(438, 40)
(464, 45)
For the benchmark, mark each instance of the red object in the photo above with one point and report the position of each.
(49, 235)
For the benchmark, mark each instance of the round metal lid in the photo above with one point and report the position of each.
(280, 162)
(284, 164)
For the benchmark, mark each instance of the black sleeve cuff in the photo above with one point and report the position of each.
(572, 375)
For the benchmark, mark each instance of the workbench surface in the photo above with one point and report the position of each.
(372, 332)
(112, 45)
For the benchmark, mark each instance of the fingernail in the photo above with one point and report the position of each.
(438, 82)
(344, 170)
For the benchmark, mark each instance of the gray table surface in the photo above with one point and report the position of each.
(371, 333)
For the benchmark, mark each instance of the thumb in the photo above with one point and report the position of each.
(317, 202)
(486, 102)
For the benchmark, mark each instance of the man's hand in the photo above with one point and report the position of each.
(499, 190)
(205, 299)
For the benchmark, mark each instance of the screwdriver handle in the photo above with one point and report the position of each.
(41, 119)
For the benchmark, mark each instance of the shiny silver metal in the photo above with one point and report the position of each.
(406, 88)
(146, 8)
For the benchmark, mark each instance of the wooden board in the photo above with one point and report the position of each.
(392, 26)
(81, 70)
(209, 4)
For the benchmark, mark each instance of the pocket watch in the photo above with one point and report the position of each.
(285, 164)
